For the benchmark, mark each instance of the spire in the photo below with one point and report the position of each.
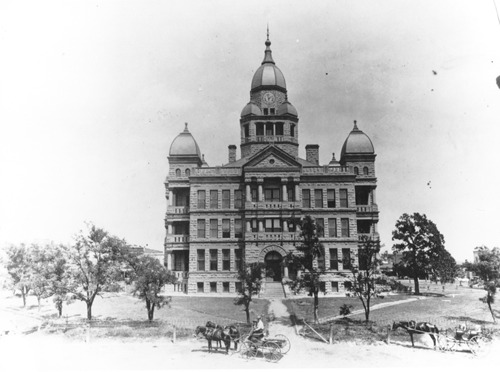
(268, 58)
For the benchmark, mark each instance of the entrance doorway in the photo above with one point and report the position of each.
(273, 262)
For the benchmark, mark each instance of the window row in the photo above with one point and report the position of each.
(316, 196)
(178, 172)
(213, 202)
(345, 259)
(225, 228)
(213, 260)
(268, 129)
(212, 287)
(365, 171)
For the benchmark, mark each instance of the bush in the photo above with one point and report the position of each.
(392, 285)
(345, 309)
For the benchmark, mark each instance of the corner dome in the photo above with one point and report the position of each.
(357, 142)
(184, 145)
(287, 108)
(251, 109)
(268, 74)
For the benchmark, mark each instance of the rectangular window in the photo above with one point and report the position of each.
(272, 194)
(225, 287)
(199, 286)
(332, 227)
(322, 287)
(226, 262)
(269, 129)
(226, 232)
(335, 286)
(238, 287)
(213, 260)
(260, 129)
(334, 259)
(201, 260)
(238, 199)
(279, 128)
(343, 198)
(214, 229)
(306, 198)
(292, 130)
(201, 228)
(202, 199)
(213, 287)
(214, 199)
(238, 228)
(291, 193)
(318, 198)
(255, 225)
(330, 198)
(226, 199)
(272, 110)
(266, 111)
(247, 131)
(272, 225)
(254, 194)
(321, 261)
(180, 260)
(346, 258)
(237, 259)
(345, 227)
(320, 225)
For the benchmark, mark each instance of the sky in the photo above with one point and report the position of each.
(92, 94)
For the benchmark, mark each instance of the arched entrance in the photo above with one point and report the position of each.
(273, 261)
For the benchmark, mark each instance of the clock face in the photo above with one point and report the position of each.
(268, 98)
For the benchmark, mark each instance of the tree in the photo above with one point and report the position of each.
(487, 267)
(443, 266)
(363, 273)
(41, 272)
(93, 262)
(149, 277)
(305, 259)
(418, 238)
(19, 269)
(250, 277)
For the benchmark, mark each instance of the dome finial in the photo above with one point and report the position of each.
(268, 58)
(355, 125)
(186, 127)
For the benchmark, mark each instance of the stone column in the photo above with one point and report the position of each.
(261, 225)
(285, 225)
(169, 229)
(374, 199)
(170, 198)
(297, 191)
(283, 187)
(249, 226)
(260, 193)
(248, 192)
(169, 261)
(286, 272)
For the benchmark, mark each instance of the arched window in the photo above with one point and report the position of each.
(178, 172)
(356, 171)
(188, 172)
(365, 171)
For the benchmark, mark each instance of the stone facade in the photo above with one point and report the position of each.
(220, 218)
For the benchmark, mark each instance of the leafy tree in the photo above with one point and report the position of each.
(41, 272)
(364, 273)
(250, 277)
(443, 266)
(487, 267)
(19, 269)
(93, 262)
(149, 277)
(59, 278)
(418, 238)
(305, 259)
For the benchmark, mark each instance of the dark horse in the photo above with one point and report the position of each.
(213, 334)
(234, 334)
(420, 328)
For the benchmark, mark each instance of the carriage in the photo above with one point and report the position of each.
(474, 340)
(271, 349)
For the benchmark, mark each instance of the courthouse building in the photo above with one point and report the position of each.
(221, 217)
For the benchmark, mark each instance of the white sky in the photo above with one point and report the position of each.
(92, 93)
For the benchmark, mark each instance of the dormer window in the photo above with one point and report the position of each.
(272, 111)
(266, 111)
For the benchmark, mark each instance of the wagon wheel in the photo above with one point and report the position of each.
(271, 351)
(283, 342)
(446, 343)
(248, 350)
(478, 345)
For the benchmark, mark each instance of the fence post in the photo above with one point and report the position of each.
(174, 336)
(388, 335)
(331, 334)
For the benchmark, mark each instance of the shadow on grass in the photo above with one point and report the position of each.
(467, 319)
(429, 294)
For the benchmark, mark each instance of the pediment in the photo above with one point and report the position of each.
(272, 158)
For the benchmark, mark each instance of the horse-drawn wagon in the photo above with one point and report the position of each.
(272, 349)
(473, 339)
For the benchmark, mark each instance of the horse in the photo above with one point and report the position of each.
(211, 324)
(234, 334)
(421, 327)
(213, 334)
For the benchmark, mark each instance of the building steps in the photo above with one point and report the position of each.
(273, 290)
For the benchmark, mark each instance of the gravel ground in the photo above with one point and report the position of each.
(33, 352)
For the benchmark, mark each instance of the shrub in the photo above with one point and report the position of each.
(345, 309)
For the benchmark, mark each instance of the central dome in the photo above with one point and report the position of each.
(268, 75)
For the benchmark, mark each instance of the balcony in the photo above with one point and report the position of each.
(367, 208)
(374, 236)
(270, 138)
(184, 209)
(272, 205)
(180, 275)
(270, 236)
(177, 239)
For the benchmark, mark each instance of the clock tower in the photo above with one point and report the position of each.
(268, 118)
